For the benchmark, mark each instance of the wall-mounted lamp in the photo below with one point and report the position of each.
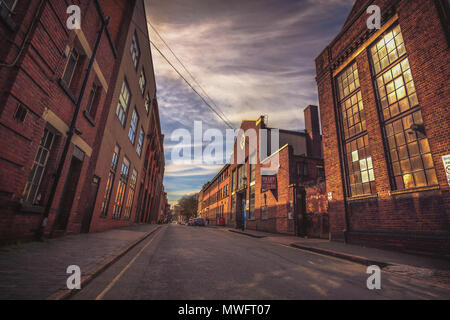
(417, 128)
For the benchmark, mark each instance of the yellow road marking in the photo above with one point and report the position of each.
(111, 284)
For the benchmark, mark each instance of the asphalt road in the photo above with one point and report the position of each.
(184, 263)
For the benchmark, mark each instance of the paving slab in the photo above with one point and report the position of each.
(36, 270)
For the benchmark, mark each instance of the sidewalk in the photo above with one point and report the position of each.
(420, 267)
(37, 270)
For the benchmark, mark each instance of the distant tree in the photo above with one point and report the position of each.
(188, 206)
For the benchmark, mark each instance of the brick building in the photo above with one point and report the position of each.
(43, 65)
(214, 198)
(238, 195)
(384, 100)
(277, 202)
(129, 164)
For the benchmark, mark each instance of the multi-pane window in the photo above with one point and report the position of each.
(410, 155)
(358, 161)
(70, 66)
(140, 142)
(302, 169)
(39, 165)
(360, 167)
(142, 81)
(396, 90)
(120, 196)
(135, 51)
(353, 115)
(133, 127)
(110, 181)
(147, 103)
(409, 152)
(124, 101)
(91, 107)
(387, 50)
(242, 176)
(129, 205)
(348, 81)
(321, 173)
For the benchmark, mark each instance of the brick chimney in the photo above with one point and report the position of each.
(312, 127)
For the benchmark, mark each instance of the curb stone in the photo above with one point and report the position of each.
(247, 234)
(345, 256)
(64, 293)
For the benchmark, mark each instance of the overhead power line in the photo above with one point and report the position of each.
(185, 68)
(138, 27)
(191, 86)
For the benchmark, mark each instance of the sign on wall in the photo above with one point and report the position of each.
(446, 160)
(269, 182)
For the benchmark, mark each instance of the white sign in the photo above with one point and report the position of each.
(330, 196)
(446, 160)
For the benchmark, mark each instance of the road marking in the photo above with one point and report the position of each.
(113, 282)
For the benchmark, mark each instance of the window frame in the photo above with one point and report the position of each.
(77, 60)
(131, 194)
(91, 106)
(140, 143)
(43, 146)
(400, 117)
(110, 182)
(120, 107)
(142, 81)
(345, 127)
(121, 189)
(134, 125)
(135, 58)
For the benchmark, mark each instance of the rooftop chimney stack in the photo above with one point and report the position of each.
(312, 127)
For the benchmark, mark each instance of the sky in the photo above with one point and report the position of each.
(252, 57)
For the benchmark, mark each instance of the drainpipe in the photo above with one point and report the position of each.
(340, 149)
(72, 130)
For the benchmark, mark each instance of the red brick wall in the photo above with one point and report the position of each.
(317, 218)
(404, 220)
(34, 83)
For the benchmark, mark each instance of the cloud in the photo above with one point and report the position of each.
(253, 57)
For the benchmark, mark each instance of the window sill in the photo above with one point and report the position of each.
(407, 191)
(28, 208)
(89, 118)
(67, 90)
(366, 197)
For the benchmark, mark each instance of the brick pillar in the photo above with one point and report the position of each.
(312, 126)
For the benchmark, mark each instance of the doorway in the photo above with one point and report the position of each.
(69, 192)
(241, 201)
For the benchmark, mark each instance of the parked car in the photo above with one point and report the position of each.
(196, 222)
(199, 222)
